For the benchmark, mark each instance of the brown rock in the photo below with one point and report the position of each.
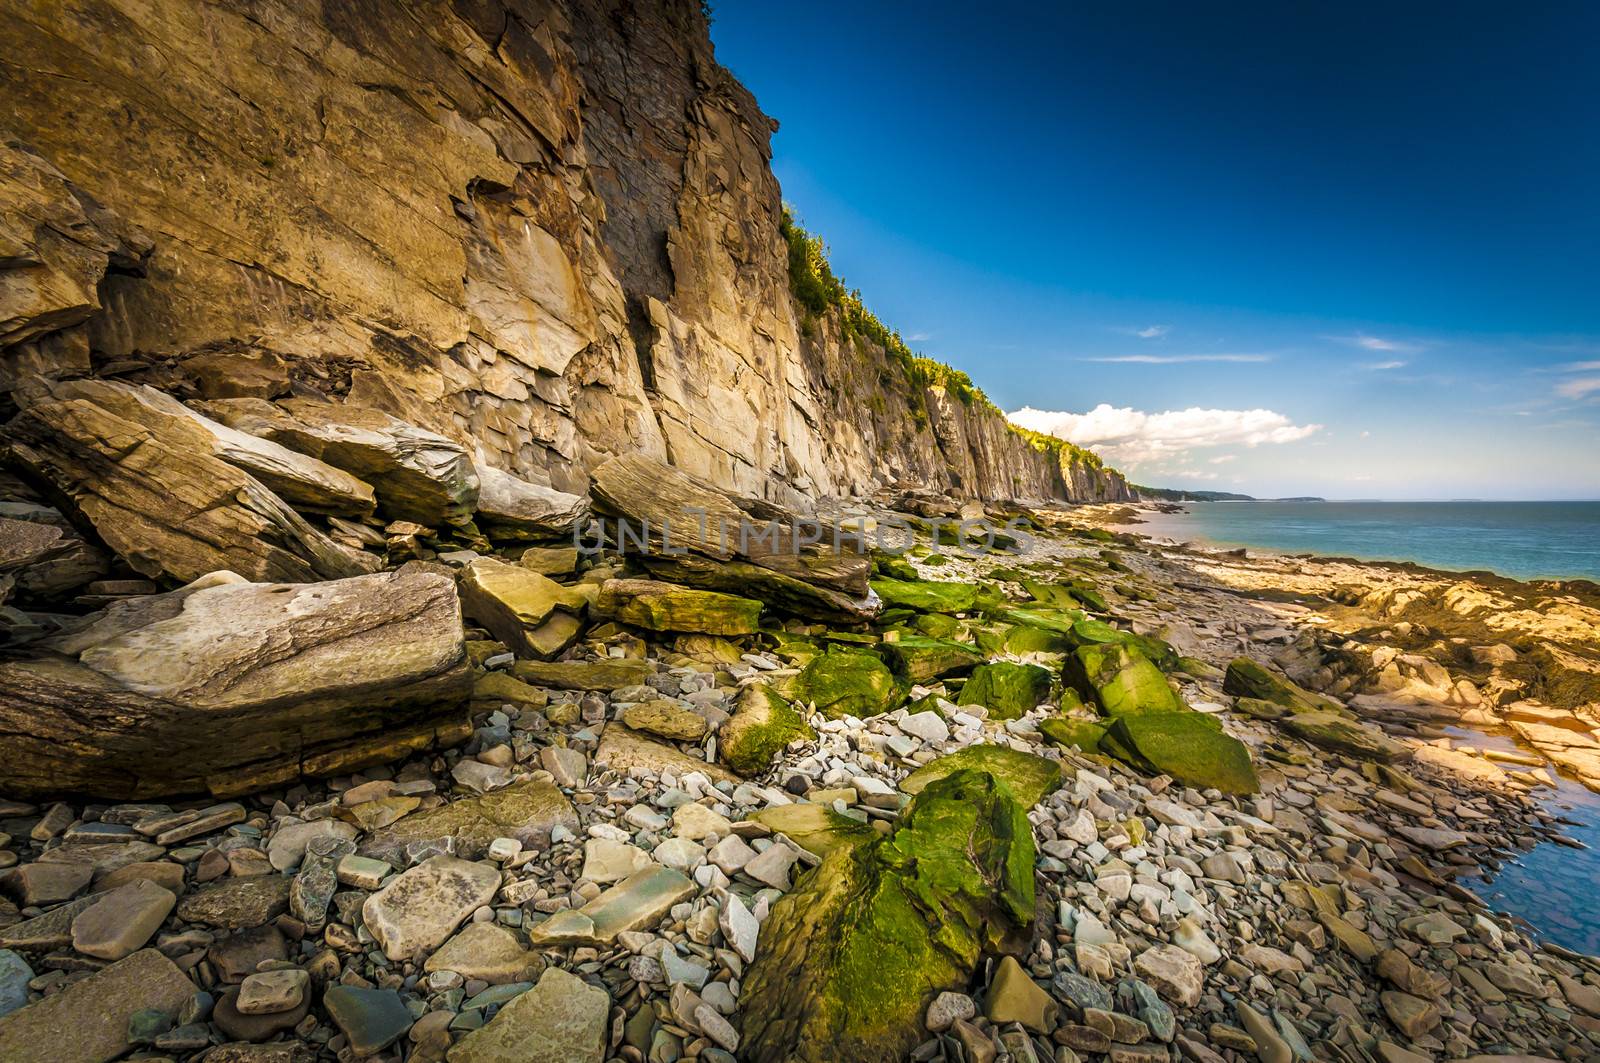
(87, 1022)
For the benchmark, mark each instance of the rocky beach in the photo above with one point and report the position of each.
(476, 587)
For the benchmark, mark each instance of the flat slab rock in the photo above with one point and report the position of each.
(87, 1022)
(527, 811)
(420, 909)
(228, 685)
(563, 1015)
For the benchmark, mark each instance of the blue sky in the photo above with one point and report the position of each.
(1341, 249)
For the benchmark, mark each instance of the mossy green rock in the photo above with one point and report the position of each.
(815, 828)
(935, 625)
(1024, 639)
(850, 960)
(927, 596)
(1247, 679)
(583, 675)
(1056, 621)
(1120, 681)
(1008, 690)
(1031, 778)
(1189, 746)
(763, 723)
(1340, 734)
(1065, 731)
(659, 606)
(918, 659)
(848, 682)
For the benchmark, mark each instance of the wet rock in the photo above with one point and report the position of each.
(1014, 997)
(1189, 746)
(514, 602)
(527, 811)
(658, 606)
(236, 904)
(917, 659)
(978, 890)
(488, 952)
(1007, 690)
(1341, 734)
(638, 902)
(122, 920)
(762, 726)
(272, 992)
(1030, 778)
(565, 1016)
(370, 1019)
(667, 719)
(87, 1022)
(421, 908)
(1175, 974)
(847, 682)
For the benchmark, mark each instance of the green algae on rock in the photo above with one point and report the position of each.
(660, 606)
(848, 683)
(1007, 689)
(1189, 746)
(1247, 679)
(816, 828)
(763, 723)
(919, 659)
(851, 958)
(1121, 681)
(927, 596)
(1340, 734)
(1066, 731)
(1031, 778)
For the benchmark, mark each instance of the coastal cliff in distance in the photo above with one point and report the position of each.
(547, 230)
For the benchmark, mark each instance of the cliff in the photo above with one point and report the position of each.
(548, 230)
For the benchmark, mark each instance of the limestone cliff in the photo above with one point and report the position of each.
(547, 228)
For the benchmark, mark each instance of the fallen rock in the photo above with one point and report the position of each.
(87, 1022)
(583, 675)
(420, 908)
(1341, 734)
(370, 1019)
(762, 726)
(954, 879)
(489, 952)
(627, 752)
(1247, 679)
(231, 687)
(667, 719)
(1120, 681)
(1189, 746)
(122, 921)
(638, 902)
(514, 602)
(918, 659)
(847, 683)
(1008, 690)
(658, 606)
(563, 1015)
(1029, 777)
(512, 508)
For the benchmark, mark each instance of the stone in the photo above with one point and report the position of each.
(928, 726)
(583, 675)
(498, 688)
(1030, 778)
(1189, 746)
(1178, 976)
(238, 1026)
(272, 992)
(638, 902)
(1070, 732)
(513, 508)
(421, 908)
(658, 606)
(855, 989)
(1008, 690)
(1411, 1015)
(1014, 997)
(122, 920)
(918, 659)
(287, 846)
(39, 884)
(566, 1017)
(238, 955)
(847, 683)
(696, 822)
(761, 727)
(15, 974)
(1120, 681)
(418, 475)
(513, 602)
(627, 752)
(527, 811)
(370, 1019)
(928, 596)
(1340, 734)
(570, 767)
(1191, 938)
(667, 719)
(550, 560)
(947, 1009)
(488, 952)
(233, 687)
(605, 860)
(1247, 679)
(236, 903)
(1270, 1046)
(87, 1021)
(159, 499)
(739, 927)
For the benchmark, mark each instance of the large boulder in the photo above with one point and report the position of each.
(779, 590)
(1120, 681)
(513, 508)
(847, 683)
(164, 503)
(1031, 778)
(918, 659)
(301, 480)
(929, 596)
(517, 605)
(763, 723)
(231, 687)
(1338, 733)
(418, 475)
(659, 606)
(851, 958)
(1189, 746)
(1247, 679)
(1008, 690)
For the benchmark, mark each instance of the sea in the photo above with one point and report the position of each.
(1548, 887)
(1523, 540)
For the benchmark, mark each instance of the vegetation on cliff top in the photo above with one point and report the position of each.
(819, 290)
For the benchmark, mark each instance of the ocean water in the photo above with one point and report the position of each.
(1523, 540)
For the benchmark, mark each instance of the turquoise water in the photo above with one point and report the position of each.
(1523, 540)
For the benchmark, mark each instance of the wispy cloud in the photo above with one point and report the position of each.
(1178, 359)
(1369, 342)
(1578, 387)
(1148, 332)
(919, 337)
(1223, 459)
(1130, 437)
(1381, 366)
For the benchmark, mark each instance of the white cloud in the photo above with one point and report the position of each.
(1368, 342)
(1128, 437)
(1385, 365)
(1153, 332)
(1179, 359)
(1579, 387)
(919, 337)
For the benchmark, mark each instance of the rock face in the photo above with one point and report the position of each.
(881, 928)
(232, 686)
(553, 242)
